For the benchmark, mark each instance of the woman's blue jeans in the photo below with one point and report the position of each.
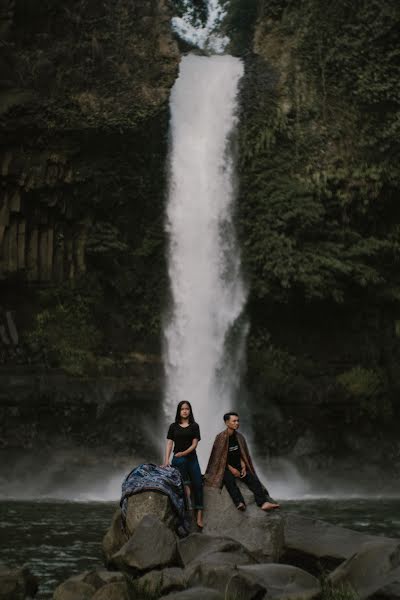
(189, 468)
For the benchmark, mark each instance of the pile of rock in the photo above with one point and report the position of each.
(17, 584)
(238, 556)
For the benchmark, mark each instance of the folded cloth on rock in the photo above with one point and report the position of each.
(167, 480)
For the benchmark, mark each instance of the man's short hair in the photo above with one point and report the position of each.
(228, 415)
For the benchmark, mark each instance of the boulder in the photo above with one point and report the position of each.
(391, 591)
(198, 593)
(112, 591)
(98, 578)
(114, 538)
(262, 533)
(311, 541)
(280, 581)
(173, 580)
(16, 584)
(147, 586)
(157, 583)
(374, 566)
(152, 546)
(103, 577)
(214, 570)
(198, 545)
(149, 503)
(74, 590)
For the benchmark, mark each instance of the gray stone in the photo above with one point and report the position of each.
(321, 540)
(17, 584)
(157, 583)
(262, 533)
(152, 546)
(278, 581)
(112, 591)
(198, 593)
(213, 572)
(149, 503)
(74, 590)
(114, 538)
(98, 578)
(199, 545)
(147, 586)
(173, 579)
(390, 591)
(373, 567)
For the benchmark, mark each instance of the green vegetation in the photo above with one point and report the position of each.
(342, 591)
(318, 215)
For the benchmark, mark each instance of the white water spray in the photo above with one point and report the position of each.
(204, 267)
(205, 36)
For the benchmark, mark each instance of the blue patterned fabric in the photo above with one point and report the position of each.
(166, 480)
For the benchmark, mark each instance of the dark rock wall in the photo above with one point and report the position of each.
(318, 220)
(84, 90)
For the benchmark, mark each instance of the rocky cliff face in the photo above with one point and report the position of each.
(318, 220)
(76, 83)
(84, 125)
(84, 101)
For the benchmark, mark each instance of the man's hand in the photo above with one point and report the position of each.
(178, 454)
(164, 465)
(235, 472)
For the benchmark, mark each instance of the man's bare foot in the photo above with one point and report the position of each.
(269, 506)
(241, 506)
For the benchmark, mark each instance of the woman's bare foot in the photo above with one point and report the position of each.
(199, 519)
(241, 506)
(269, 506)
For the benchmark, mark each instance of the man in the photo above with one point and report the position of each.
(230, 461)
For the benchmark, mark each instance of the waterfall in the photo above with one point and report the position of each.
(208, 293)
(205, 36)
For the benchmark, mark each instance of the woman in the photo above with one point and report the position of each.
(183, 436)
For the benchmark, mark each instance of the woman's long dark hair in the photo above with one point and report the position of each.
(178, 412)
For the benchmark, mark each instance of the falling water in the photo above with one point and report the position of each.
(205, 36)
(208, 294)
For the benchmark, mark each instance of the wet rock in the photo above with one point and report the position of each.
(311, 541)
(197, 545)
(98, 578)
(112, 591)
(374, 566)
(215, 569)
(198, 593)
(147, 586)
(152, 546)
(261, 533)
(173, 580)
(280, 581)
(149, 503)
(17, 584)
(114, 538)
(74, 590)
(157, 583)
(390, 591)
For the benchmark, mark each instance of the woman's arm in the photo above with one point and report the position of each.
(168, 450)
(195, 441)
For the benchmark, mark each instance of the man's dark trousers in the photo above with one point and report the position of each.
(252, 482)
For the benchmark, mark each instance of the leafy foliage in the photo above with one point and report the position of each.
(318, 214)
(319, 175)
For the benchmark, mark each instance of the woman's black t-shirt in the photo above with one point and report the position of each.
(183, 436)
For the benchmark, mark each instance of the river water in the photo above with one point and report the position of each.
(60, 539)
